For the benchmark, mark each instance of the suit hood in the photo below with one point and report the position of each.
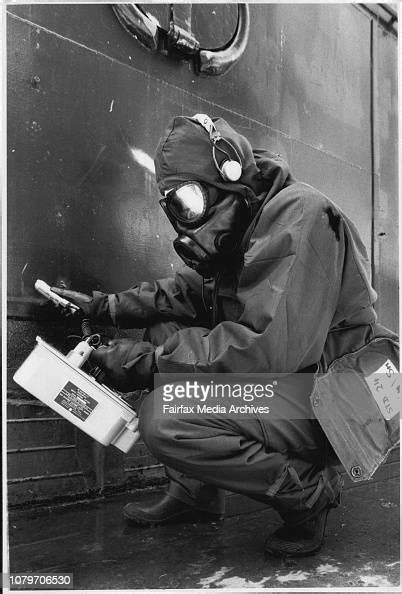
(184, 153)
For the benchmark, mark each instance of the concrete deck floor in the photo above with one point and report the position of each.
(92, 541)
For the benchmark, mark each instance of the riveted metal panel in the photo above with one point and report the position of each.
(305, 70)
(385, 228)
(81, 206)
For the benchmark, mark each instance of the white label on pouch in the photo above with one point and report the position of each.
(385, 386)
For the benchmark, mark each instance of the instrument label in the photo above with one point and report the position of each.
(76, 401)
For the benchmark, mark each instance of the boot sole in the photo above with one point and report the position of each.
(293, 554)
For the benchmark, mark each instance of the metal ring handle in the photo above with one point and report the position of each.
(212, 62)
(220, 61)
(139, 25)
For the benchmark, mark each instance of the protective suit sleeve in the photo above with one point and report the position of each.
(289, 287)
(177, 298)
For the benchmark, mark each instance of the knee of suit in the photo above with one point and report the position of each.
(154, 428)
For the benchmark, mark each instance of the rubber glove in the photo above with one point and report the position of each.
(128, 365)
(83, 301)
(95, 306)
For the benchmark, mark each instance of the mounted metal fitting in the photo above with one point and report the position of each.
(180, 41)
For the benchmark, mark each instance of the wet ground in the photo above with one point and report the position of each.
(93, 542)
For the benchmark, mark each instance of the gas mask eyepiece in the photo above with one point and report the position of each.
(187, 203)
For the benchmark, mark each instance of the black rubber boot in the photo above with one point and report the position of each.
(168, 510)
(303, 531)
(299, 540)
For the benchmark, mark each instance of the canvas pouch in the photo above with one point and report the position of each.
(357, 403)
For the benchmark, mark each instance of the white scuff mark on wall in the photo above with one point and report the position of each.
(92, 167)
(143, 159)
(24, 269)
(387, 504)
(111, 106)
(326, 568)
(282, 45)
(218, 575)
(149, 183)
(375, 580)
(293, 576)
(35, 126)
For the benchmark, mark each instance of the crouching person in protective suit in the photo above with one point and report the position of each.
(276, 281)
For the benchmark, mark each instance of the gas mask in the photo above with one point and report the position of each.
(210, 224)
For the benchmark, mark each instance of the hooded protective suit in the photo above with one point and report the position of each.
(303, 273)
(297, 294)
